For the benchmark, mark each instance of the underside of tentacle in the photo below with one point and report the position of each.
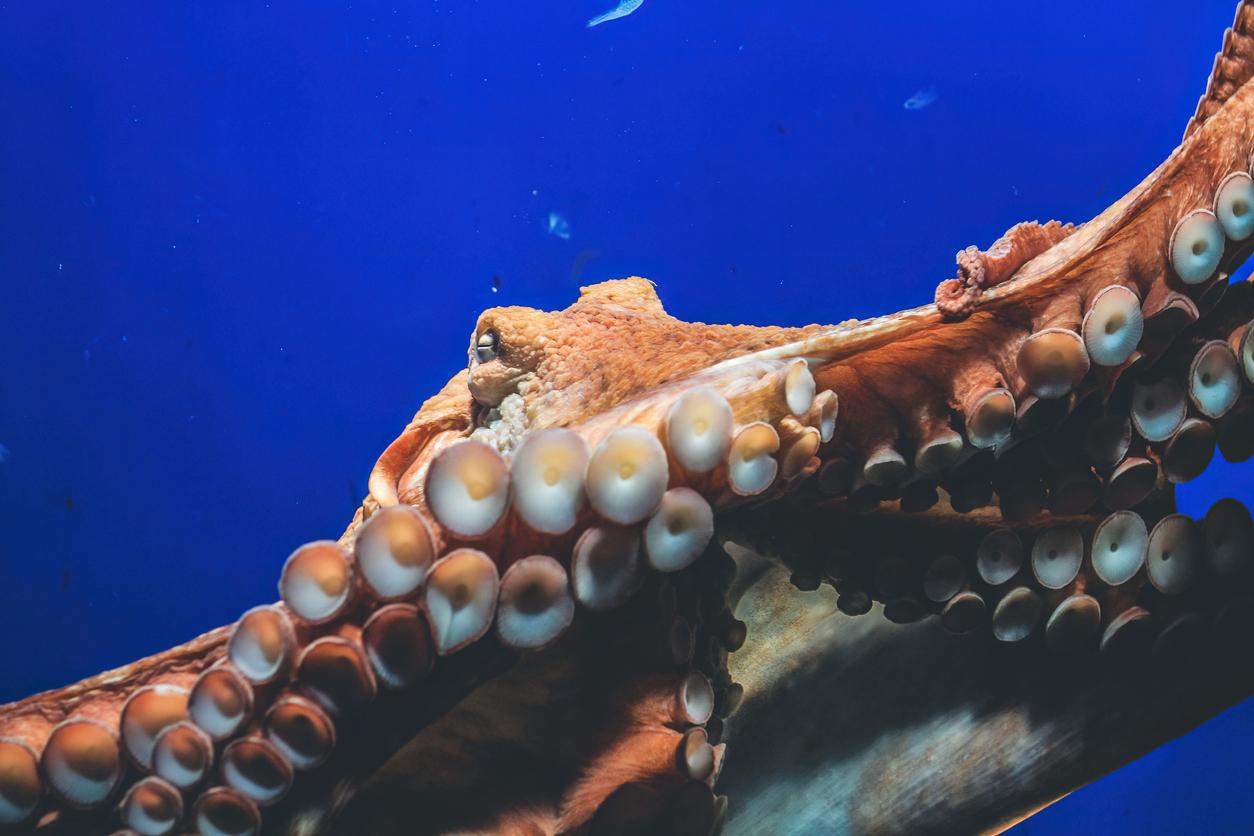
(614, 528)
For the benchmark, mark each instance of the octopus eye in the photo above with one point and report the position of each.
(486, 347)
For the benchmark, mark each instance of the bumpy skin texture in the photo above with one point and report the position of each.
(977, 271)
(571, 364)
(1031, 425)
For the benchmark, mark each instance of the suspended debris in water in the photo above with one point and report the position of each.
(921, 99)
(624, 8)
(559, 226)
(581, 260)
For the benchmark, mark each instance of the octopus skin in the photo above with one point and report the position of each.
(620, 548)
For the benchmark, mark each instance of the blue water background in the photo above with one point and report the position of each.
(240, 243)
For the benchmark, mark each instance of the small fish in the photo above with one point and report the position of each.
(624, 8)
(921, 99)
(559, 226)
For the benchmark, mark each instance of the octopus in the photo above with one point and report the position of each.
(628, 574)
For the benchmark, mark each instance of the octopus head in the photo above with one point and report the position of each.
(506, 350)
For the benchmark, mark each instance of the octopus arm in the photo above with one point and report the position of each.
(621, 542)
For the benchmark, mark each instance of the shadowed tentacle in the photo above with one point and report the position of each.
(1010, 473)
(309, 659)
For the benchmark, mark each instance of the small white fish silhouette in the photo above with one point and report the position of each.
(921, 99)
(624, 8)
(559, 226)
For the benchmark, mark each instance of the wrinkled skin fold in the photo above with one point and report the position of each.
(925, 568)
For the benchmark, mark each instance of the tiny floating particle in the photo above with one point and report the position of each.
(559, 226)
(624, 8)
(921, 99)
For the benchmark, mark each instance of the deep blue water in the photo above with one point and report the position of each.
(240, 243)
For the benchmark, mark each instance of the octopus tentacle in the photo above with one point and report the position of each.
(1234, 65)
(977, 271)
(549, 576)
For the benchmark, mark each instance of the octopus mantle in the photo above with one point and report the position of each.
(619, 542)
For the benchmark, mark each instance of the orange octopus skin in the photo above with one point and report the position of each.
(572, 579)
(570, 364)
